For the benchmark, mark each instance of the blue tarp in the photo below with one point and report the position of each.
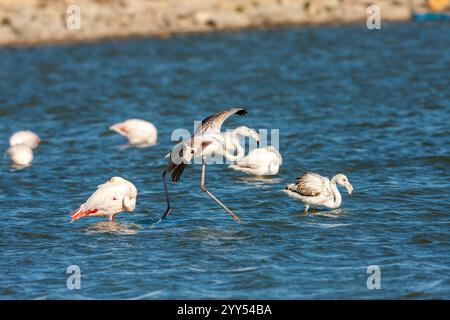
(431, 16)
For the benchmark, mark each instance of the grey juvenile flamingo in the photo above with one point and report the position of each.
(207, 140)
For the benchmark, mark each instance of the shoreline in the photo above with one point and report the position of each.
(43, 22)
(68, 41)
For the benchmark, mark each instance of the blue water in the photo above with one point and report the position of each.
(374, 105)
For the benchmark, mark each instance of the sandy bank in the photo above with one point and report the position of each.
(45, 21)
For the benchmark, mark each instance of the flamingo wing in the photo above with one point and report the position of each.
(183, 152)
(276, 153)
(311, 184)
(176, 161)
(215, 121)
(259, 157)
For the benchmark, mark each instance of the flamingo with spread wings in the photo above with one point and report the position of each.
(206, 141)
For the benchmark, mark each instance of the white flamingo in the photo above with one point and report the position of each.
(21, 155)
(108, 200)
(27, 137)
(260, 162)
(139, 132)
(207, 140)
(230, 142)
(315, 190)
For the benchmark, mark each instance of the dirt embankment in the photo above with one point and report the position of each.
(45, 21)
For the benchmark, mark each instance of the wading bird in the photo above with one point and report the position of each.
(260, 162)
(139, 132)
(231, 144)
(206, 141)
(26, 137)
(315, 191)
(21, 155)
(108, 200)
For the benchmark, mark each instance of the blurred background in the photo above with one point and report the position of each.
(37, 21)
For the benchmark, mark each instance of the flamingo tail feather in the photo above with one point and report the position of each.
(79, 213)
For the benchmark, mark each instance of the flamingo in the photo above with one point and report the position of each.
(108, 200)
(207, 140)
(27, 137)
(260, 162)
(231, 144)
(21, 155)
(139, 132)
(315, 190)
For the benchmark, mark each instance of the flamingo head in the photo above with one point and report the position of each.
(37, 140)
(343, 181)
(120, 128)
(247, 132)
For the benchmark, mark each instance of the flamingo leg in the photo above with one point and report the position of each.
(169, 209)
(204, 189)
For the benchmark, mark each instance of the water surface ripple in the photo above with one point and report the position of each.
(374, 105)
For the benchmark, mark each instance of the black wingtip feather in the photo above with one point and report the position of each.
(177, 172)
(241, 112)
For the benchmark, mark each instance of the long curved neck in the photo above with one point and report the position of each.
(236, 146)
(336, 194)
